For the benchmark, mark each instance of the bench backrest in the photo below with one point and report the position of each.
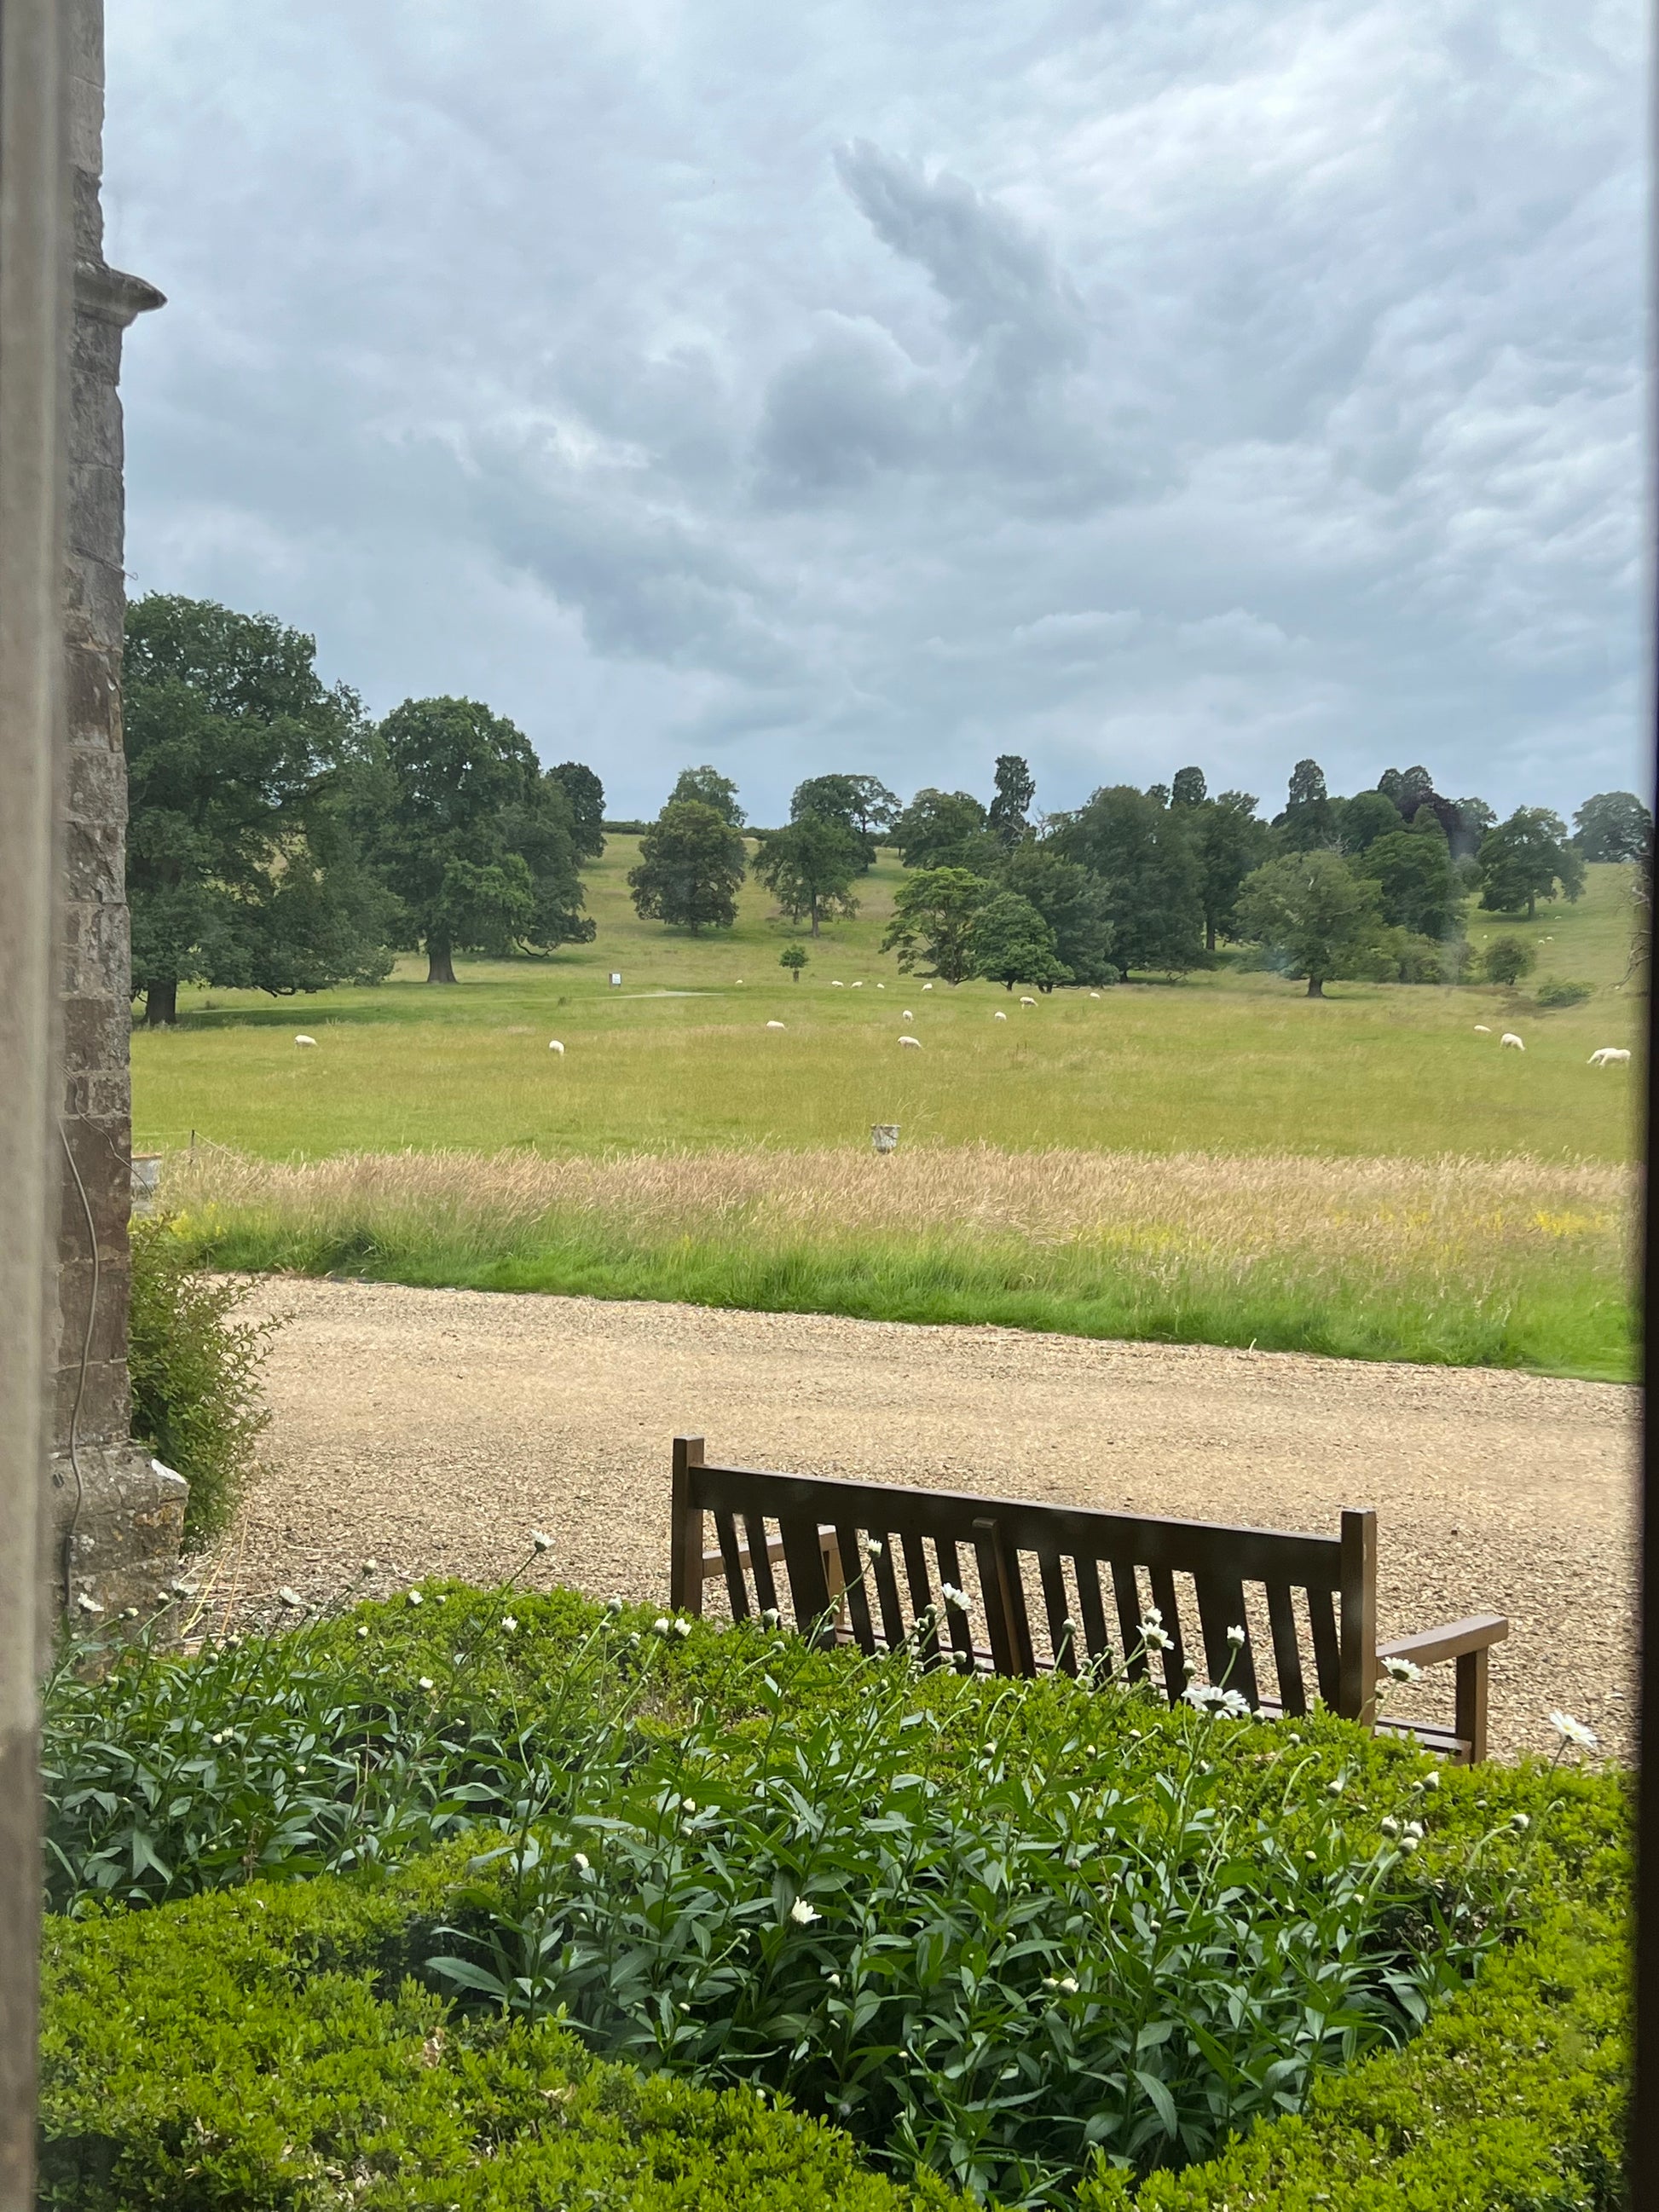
(870, 1561)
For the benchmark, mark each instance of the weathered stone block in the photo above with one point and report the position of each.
(117, 1528)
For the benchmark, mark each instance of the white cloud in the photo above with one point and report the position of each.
(891, 385)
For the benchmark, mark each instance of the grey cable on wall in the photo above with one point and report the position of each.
(67, 1564)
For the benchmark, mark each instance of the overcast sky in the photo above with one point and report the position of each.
(885, 383)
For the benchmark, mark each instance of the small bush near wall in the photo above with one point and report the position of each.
(195, 1374)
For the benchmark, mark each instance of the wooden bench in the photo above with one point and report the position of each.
(855, 1560)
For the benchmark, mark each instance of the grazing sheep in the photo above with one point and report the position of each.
(1094, 995)
(1513, 1042)
(927, 987)
(305, 1039)
(857, 986)
(907, 1016)
(1480, 1029)
(553, 1045)
(1607, 1054)
(838, 987)
(1024, 1001)
(914, 1043)
(774, 1025)
(998, 1016)
(881, 987)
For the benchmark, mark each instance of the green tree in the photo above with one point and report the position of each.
(946, 829)
(1312, 915)
(859, 803)
(690, 867)
(474, 839)
(1308, 820)
(1361, 820)
(1070, 900)
(1015, 787)
(1010, 943)
(1615, 825)
(1230, 839)
(1416, 881)
(809, 867)
(1142, 855)
(1525, 858)
(708, 788)
(1507, 959)
(1189, 788)
(242, 869)
(586, 794)
(793, 957)
(933, 921)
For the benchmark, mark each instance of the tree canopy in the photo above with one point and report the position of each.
(586, 796)
(1015, 787)
(1526, 859)
(708, 788)
(933, 921)
(1010, 943)
(1309, 820)
(690, 867)
(809, 867)
(1416, 881)
(1313, 915)
(473, 837)
(1229, 839)
(242, 869)
(1070, 901)
(1142, 854)
(1615, 825)
(945, 829)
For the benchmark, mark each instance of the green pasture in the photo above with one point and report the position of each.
(679, 1055)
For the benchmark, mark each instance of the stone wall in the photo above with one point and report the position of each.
(116, 1521)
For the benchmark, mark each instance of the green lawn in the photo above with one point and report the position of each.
(1220, 1160)
(1229, 1061)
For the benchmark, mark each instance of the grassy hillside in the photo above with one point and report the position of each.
(680, 1054)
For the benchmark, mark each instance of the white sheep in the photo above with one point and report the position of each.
(1480, 1029)
(907, 1016)
(998, 1016)
(305, 1039)
(553, 1045)
(774, 1025)
(1024, 1001)
(881, 987)
(1607, 1054)
(1094, 995)
(1511, 1040)
(914, 1043)
(838, 985)
(857, 986)
(927, 987)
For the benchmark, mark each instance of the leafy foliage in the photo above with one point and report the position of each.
(810, 867)
(1142, 854)
(946, 829)
(1508, 959)
(1015, 787)
(706, 787)
(692, 862)
(1615, 825)
(586, 795)
(1312, 914)
(1561, 991)
(1527, 858)
(241, 868)
(1308, 822)
(475, 840)
(1417, 885)
(195, 1374)
(1071, 903)
(1010, 943)
(933, 922)
(1080, 1922)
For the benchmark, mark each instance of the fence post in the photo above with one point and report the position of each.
(1356, 1663)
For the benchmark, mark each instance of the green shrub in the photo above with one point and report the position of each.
(1034, 1918)
(195, 1374)
(1507, 959)
(1553, 991)
(266, 2050)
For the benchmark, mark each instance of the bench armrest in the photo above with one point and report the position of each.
(1432, 1645)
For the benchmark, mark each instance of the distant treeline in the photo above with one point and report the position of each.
(281, 840)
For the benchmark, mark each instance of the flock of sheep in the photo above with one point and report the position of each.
(1604, 1056)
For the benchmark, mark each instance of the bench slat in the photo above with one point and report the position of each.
(1221, 1606)
(1062, 1644)
(1099, 1644)
(1327, 1662)
(737, 1590)
(1288, 1652)
(760, 1560)
(853, 1563)
(887, 1590)
(1174, 1654)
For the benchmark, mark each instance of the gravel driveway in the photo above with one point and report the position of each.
(435, 1428)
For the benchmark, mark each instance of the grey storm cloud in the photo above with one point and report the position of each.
(912, 381)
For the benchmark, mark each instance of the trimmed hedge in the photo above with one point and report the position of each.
(266, 2048)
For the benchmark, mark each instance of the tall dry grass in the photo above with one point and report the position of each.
(1516, 1262)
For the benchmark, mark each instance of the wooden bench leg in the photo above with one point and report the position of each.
(1472, 1673)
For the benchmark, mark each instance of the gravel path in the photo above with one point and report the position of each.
(434, 1429)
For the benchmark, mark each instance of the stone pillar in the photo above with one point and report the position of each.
(116, 1520)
